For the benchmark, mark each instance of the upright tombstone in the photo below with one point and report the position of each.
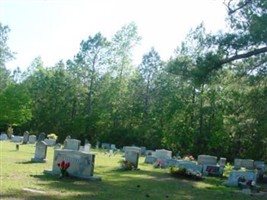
(163, 154)
(50, 142)
(235, 175)
(16, 138)
(105, 146)
(41, 137)
(40, 152)
(25, 137)
(132, 148)
(72, 144)
(206, 160)
(222, 162)
(3, 136)
(133, 157)
(81, 163)
(32, 139)
(143, 151)
(244, 163)
(87, 147)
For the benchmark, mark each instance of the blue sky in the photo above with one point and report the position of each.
(53, 29)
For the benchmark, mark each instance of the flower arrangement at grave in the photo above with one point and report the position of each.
(189, 157)
(63, 166)
(127, 165)
(243, 183)
(182, 172)
(159, 164)
(52, 136)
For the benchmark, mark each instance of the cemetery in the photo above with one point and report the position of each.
(72, 171)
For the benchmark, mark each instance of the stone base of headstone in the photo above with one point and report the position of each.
(91, 178)
(38, 160)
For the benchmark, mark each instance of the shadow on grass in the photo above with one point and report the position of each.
(136, 184)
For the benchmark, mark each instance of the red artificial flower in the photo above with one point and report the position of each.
(62, 164)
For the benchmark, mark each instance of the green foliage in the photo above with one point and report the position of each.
(210, 98)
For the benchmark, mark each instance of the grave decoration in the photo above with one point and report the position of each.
(63, 166)
(81, 164)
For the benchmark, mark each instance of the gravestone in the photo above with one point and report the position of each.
(81, 163)
(189, 165)
(248, 163)
(171, 163)
(50, 142)
(41, 137)
(105, 146)
(132, 148)
(25, 137)
(163, 154)
(72, 144)
(32, 139)
(3, 136)
(87, 147)
(86, 141)
(245, 163)
(150, 159)
(143, 151)
(133, 157)
(222, 162)
(234, 176)
(17, 139)
(97, 145)
(81, 148)
(40, 152)
(113, 147)
(206, 160)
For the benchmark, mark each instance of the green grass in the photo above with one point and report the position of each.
(18, 173)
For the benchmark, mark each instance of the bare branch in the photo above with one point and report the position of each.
(244, 55)
(231, 11)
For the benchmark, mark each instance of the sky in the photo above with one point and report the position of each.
(54, 29)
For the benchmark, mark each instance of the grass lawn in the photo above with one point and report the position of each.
(21, 179)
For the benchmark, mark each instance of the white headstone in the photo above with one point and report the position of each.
(3, 136)
(17, 139)
(132, 148)
(81, 163)
(234, 175)
(40, 152)
(87, 147)
(150, 159)
(246, 163)
(222, 162)
(105, 146)
(132, 156)
(72, 144)
(25, 137)
(206, 160)
(163, 154)
(50, 142)
(32, 139)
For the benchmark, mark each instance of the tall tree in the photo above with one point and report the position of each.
(5, 56)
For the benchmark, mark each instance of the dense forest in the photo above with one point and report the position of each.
(210, 98)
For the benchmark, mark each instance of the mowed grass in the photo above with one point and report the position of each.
(17, 174)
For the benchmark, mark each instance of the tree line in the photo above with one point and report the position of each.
(210, 98)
